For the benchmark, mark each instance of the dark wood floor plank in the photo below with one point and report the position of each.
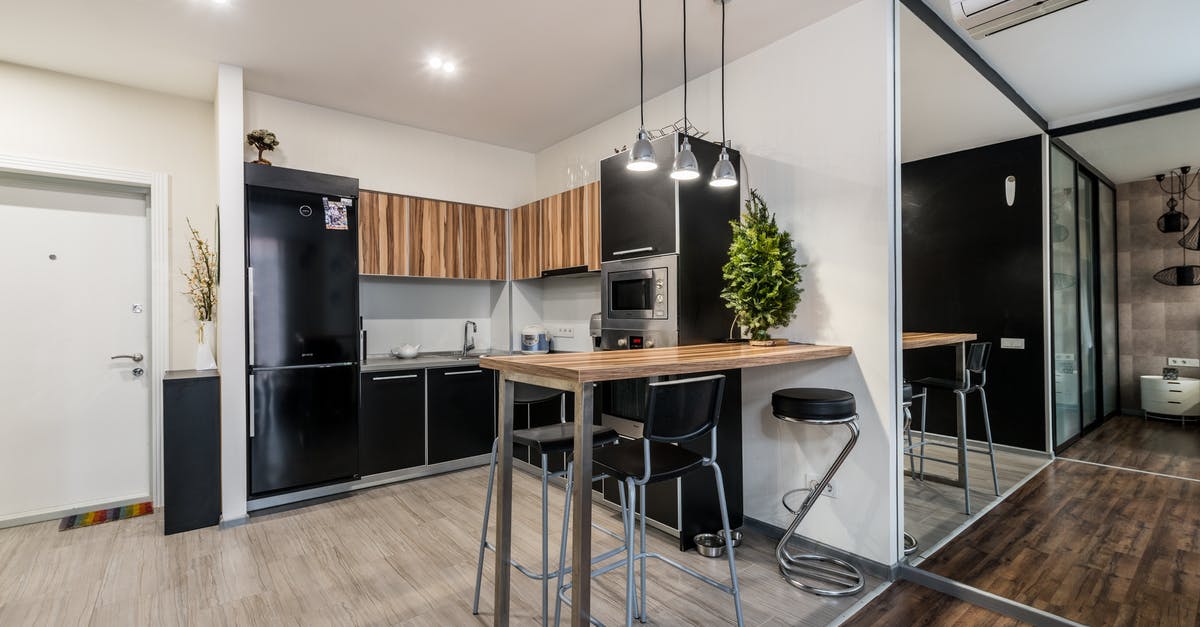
(1151, 445)
(1098, 545)
(907, 603)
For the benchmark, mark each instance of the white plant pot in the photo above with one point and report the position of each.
(204, 350)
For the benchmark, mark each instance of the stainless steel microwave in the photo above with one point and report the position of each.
(638, 289)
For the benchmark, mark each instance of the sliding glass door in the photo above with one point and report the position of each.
(1083, 297)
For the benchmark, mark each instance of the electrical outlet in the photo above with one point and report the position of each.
(811, 480)
(563, 332)
(1012, 342)
(1186, 362)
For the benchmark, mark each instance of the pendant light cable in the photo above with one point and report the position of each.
(723, 140)
(641, 67)
(685, 73)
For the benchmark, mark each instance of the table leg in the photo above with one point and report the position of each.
(960, 376)
(581, 534)
(504, 481)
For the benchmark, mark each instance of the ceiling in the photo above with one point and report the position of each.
(945, 105)
(1097, 58)
(531, 72)
(1139, 150)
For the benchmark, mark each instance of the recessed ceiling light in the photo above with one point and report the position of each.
(220, 1)
(449, 67)
(436, 63)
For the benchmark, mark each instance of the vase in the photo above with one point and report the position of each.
(204, 349)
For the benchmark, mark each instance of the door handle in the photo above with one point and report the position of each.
(645, 249)
(135, 357)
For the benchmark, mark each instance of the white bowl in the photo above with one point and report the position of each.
(408, 351)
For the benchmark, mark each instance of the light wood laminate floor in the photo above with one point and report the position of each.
(397, 555)
(932, 511)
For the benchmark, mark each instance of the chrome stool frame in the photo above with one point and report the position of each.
(844, 578)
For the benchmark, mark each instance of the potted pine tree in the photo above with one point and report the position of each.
(762, 278)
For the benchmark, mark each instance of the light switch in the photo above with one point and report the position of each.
(1012, 342)
(1186, 362)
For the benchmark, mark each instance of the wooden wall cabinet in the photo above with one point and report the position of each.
(484, 243)
(527, 241)
(434, 248)
(561, 231)
(382, 234)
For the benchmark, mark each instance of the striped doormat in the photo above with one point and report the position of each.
(105, 515)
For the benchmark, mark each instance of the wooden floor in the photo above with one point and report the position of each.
(909, 604)
(398, 555)
(1097, 545)
(1151, 445)
(933, 510)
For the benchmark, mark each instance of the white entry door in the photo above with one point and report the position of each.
(74, 292)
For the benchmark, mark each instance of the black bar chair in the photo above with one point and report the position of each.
(676, 411)
(974, 380)
(907, 396)
(818, 574)
(545, 441)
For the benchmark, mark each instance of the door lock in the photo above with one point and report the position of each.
(137, 372)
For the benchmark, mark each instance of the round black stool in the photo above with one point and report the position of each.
(819, 574)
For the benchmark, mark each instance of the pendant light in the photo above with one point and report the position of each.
(641, 156)
(685, 168)
(723, 174)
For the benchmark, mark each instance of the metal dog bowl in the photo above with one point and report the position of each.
(709, 544)
(734, 533)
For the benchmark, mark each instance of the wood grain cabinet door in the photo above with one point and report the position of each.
(591, 211)
(435, 245)
(382, 234)
(484, 239)
(564, 230)
(527, 241)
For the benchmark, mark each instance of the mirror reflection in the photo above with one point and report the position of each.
(1051, 303)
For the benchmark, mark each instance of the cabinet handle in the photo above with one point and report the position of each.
(250, 312)
(394, 377)
(450, 374)
(644, 249)
(251, 395)
(1175, 391)
(1175, 402)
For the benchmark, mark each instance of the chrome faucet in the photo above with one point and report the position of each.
(468, 339)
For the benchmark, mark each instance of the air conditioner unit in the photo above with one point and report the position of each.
(981, 18)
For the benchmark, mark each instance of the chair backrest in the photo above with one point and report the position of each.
(977, 357)
(683, 409)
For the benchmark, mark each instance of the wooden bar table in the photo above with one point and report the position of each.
(576, 372)
(912, 340)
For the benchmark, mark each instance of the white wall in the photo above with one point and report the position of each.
(53, 116)
(817, 138)
(391, 157)
(231, 301)
(430, 312)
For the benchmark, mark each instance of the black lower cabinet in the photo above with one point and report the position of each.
(462, 412)
(191, 450)
(391, 421)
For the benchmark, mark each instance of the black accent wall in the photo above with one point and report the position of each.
(971, 263)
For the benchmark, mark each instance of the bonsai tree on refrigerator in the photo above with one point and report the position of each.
(762, 278)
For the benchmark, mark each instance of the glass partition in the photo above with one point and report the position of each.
(1064, 286)
(1108, 299)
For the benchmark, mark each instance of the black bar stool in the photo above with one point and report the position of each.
(547, 440)
(676, 411)
(819, 574)
(974, 379)
(906, 400)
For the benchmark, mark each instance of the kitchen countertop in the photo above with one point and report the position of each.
(649, 362)
(384, 363)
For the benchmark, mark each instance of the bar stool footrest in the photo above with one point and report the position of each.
(804, 571)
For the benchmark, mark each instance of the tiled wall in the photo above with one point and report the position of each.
(1156, 321)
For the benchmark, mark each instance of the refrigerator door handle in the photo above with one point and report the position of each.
(252, 413)
(250, 311)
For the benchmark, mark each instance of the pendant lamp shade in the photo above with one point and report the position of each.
(686, 168)
(1178, 275)
(641, 156)
(723, 174)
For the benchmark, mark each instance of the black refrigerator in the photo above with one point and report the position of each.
(302, 328)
